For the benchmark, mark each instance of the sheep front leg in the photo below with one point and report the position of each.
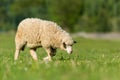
(48, 58)
(33, 54)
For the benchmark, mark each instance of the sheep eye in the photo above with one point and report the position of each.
(64, 45)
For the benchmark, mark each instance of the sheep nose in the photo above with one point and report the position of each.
(70, 52)
(69, 49)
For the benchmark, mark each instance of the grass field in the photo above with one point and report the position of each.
(91, 60)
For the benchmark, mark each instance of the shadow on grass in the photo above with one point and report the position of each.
(63, 57)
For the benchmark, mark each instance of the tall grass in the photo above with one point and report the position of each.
(91, 60)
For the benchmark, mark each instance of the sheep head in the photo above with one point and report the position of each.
(67, 44)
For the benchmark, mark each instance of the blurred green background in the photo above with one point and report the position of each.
(72, 15)
(92, 59)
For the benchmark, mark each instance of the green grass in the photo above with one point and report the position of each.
(91, 60)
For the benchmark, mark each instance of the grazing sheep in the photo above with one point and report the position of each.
(34, 33)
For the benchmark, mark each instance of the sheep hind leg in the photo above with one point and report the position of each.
(19, 46)
(33, 54)
(16, 54)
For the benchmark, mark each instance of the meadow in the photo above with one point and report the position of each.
(92, 59)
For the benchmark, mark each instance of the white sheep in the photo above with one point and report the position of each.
(34, 33)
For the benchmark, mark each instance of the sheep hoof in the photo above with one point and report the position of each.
(47, 59)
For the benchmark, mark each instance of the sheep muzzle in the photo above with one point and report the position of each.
(69, 49)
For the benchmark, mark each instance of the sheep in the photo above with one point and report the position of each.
(35, 33)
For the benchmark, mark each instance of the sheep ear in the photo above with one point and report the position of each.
(75, 42)
(64, 45)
